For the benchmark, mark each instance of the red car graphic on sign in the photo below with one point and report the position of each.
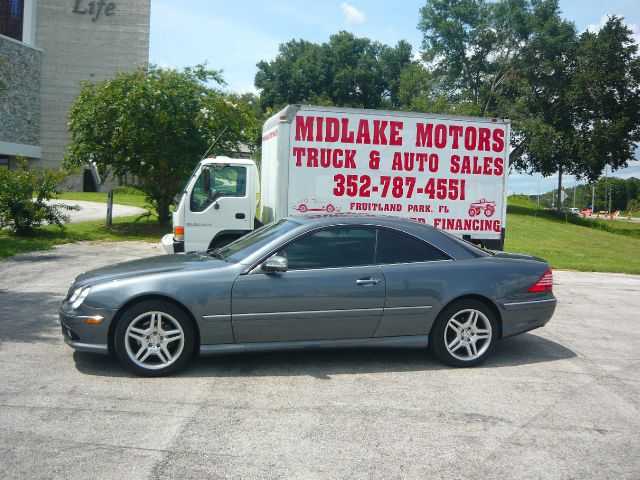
(313, 205)
(489, 208)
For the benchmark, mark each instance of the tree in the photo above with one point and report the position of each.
(25, 198)
(633, 206)
(154, 124)
(605, 95)
(519, 59)
(347, 71)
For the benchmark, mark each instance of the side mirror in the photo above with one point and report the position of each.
(275, 264)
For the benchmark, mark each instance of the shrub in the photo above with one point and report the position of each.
(24, 199)
(633, 205)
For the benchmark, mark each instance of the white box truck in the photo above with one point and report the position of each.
(446, 171)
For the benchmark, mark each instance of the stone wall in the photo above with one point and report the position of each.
(20, 68)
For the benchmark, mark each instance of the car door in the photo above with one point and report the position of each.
(415, 274)
(332, 290)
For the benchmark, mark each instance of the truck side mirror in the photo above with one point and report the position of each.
(275, 264)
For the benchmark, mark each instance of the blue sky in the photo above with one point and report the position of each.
(234, 35)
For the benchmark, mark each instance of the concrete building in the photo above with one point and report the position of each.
(47, 48)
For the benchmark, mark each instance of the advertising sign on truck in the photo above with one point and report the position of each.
(449, 172)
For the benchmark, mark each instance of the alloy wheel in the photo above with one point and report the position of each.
(467, 334)
(154, 340)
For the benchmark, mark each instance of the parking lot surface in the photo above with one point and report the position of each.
(559, 402)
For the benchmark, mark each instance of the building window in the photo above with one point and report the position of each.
(4, 163)
(11, 18)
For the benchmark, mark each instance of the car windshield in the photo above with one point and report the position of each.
(250, 243)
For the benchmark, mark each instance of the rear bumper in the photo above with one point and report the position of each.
(171, 245)
(522, 316)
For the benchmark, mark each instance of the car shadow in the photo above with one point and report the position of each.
(525, 349)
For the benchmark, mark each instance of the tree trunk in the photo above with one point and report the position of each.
(559, 198)
(517, 151)
(163, 212)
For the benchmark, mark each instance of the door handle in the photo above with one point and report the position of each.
(368, 281)
(240, 216)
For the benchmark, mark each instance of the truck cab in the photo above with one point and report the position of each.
(217, 205)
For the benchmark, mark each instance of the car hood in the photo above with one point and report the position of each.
(149, 266)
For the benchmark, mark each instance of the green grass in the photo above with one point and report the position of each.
(624, 213)
(571, 246)
(121, 198)
(124, 228)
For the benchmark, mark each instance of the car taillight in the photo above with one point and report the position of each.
(545, 284)
(178, 233)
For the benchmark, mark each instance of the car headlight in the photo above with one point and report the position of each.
(78, 296)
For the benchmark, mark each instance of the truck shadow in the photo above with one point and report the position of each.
(522, 350)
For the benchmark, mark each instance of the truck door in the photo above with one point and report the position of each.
(219, 202)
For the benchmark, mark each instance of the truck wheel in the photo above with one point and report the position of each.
(224, 239)
(154, 338)
(472, 212)
(489, 211)
(464, 333)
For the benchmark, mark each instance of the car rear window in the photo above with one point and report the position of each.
(396, 247)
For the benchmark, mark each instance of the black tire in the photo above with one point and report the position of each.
(472, 343)
(165, 351)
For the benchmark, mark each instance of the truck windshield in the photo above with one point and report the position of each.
(250, 243)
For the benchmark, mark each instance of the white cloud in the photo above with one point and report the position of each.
(351, 13)
(164, 64)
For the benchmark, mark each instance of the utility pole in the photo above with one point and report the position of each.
(606, 186)
(575, 190)
(593, 197)
(610, 192)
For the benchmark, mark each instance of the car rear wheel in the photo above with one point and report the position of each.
(464, 333)
(154, 338)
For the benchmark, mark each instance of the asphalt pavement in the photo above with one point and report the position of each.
(560, 402)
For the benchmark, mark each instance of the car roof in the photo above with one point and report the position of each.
(403, 224)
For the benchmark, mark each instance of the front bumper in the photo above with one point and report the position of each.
(524, 315)
(83, 336)
(171, 245)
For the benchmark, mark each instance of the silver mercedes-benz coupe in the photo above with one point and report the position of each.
(332, 281)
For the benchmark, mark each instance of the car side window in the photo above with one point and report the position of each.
(396, 247)
(333, 247)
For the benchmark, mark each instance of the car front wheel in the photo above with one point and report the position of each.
(464, 334)
(154, 338)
